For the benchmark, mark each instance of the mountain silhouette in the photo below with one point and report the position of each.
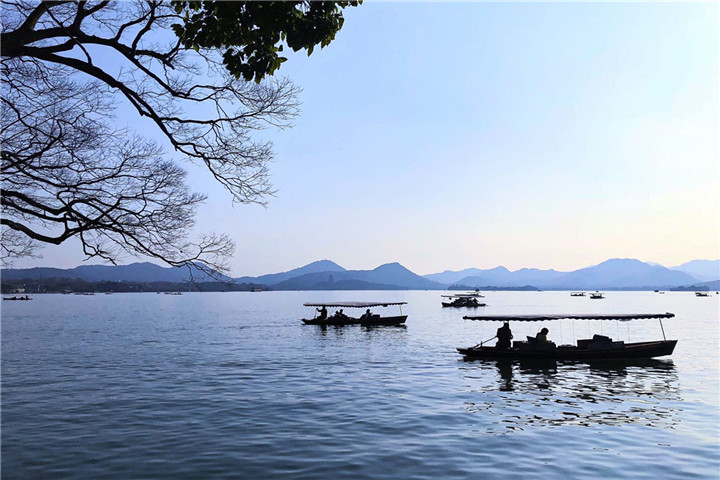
(143, 272)
(703, 270)
(320, 266)
(622, 273)
(327, 275)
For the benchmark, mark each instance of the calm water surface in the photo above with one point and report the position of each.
(232, 385)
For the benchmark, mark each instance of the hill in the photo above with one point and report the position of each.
(391, 276)
(622, 273)
(703, 270)
(135, 272)
(321, 266)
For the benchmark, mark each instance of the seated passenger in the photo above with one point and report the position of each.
(367, 314)
(541, 337)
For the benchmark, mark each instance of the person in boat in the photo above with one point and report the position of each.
(367, 315)
(541, 337)
(323, 313)
(504, 335)
(340, 314)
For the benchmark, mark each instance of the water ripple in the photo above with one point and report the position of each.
(233, 386)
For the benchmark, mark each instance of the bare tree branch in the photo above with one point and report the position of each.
(68, 173)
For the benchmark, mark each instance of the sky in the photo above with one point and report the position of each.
(446, 136)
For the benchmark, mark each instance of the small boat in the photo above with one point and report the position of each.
(469, 301)
(599, 347)
(597, 295)
(577, 294)
(17, 298)
(702, 294)
(368, 319)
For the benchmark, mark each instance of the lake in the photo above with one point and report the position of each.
(232, 385)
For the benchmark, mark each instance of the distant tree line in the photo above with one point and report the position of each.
(493, 287)
(78, 285)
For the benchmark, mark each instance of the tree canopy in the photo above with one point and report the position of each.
(199, 72)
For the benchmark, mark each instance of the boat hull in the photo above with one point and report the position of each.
(383, 321)
(628, 351)
(335, 322)
(375, 321)
(446, 304)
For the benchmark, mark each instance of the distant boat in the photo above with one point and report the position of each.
(366, 320)
(577, 294)
(459, 301)
(17, 298)
(702, 294)
(597, 295)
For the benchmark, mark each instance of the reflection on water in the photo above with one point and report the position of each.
(548, 393)
(337, 331)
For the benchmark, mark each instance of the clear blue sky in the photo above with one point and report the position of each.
(448, 136)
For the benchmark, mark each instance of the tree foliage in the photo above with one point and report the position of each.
(252, 45)
(69, 171)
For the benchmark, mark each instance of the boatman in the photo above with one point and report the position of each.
(323, 313)
(504, 335)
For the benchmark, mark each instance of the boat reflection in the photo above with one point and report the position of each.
(337, 331)
(553, 393)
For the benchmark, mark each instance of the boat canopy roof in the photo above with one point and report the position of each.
(541, 318)
(354, 304)
(460, 295)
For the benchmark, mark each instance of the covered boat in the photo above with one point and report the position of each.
(599, 347)
(462, 300)
(368, 319)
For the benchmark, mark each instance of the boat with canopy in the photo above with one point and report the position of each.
(599, 347)
(368, 319)
(462, 300)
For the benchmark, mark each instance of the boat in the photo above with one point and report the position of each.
(702, 294)
(463, 300)
(17, 298)
(368, 319)
(599, 347)
(577, 294)
(597, 295)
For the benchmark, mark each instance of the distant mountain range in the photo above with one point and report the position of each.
(616, 273)
(135, 272)
(327, 275)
